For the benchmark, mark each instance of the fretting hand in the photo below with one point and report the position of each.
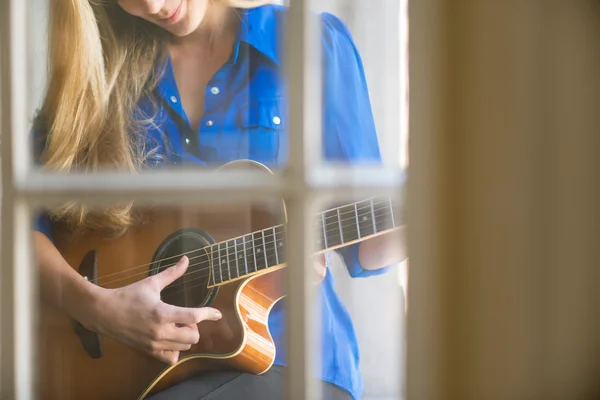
(136, 316)
(319, 268)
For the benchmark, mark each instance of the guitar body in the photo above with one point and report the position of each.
(107, 369)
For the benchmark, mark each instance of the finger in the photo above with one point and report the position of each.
(167, 345)
(320, 260)
(167, 356)
(320, 270)
(186, 335)
(189, 316)
(171, 274)
(185, 325)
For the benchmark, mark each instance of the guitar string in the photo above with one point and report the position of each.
(214, 257)
(215, 251)
(185, 289)
(208, 248)
(167, 290)
(249, 234)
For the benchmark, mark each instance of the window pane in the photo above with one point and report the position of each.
(365, 115)
(173, 106)
(364, 81)
(364, 298)
(121, 286)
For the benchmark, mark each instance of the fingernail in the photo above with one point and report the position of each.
(217, 314)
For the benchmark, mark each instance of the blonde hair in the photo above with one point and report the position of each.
(102, 61)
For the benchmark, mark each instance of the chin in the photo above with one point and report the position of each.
(193, 14)
(183, 30)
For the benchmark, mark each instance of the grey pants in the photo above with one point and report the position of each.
(231, 385)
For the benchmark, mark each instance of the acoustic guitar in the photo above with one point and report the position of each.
(236, 256)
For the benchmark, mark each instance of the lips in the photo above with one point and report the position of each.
(173, 16)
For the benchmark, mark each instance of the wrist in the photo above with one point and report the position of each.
(83, 302)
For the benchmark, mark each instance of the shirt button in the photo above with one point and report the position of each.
(276, 120)
(215, 90)
(173, 99)
(187, 141)
(209, 123)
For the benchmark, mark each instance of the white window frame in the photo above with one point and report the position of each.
(303, 183)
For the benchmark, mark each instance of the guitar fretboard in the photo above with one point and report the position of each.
(338, 227)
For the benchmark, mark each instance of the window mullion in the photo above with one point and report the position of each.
(302, 82)
(17, 288)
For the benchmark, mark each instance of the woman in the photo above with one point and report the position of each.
(147, 83)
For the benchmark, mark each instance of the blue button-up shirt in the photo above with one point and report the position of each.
(246, 117)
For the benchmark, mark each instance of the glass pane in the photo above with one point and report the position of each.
(365, 78)
(235, 253)
(363, 298)
(182, 100)
(365, 113)
(114, 315)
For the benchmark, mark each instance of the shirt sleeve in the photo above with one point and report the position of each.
(41, 221)
(349, 133)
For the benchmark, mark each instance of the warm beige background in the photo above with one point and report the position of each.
(505, 173)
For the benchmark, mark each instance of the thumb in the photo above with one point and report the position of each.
(171, 274)
(168, 356)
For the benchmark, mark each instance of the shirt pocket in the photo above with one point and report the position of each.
(262, 122)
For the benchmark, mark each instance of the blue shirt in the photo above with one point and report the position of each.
(246, 118)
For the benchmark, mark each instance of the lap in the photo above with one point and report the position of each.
(226, 385)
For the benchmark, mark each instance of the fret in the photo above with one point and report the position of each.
(233, 271)
(270, 249)
(356, 217)
(365, 225)
(280, 245)
(259, 253)
(235, 255)
(383, 216)
(373, 217)
(250, 256)
(392, 212)
(275, 244)
(223, 260)
(348, 223)
(340, 226)
(217, 258)
(265, 250)
(332, 229)
(212, 265)
(324, 230)
(245, 254)
(240, 256)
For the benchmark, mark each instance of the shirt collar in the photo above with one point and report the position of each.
(259, 29)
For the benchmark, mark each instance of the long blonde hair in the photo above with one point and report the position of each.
(102, 61)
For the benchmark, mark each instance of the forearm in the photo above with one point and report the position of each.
(61, 286)
(383, 250)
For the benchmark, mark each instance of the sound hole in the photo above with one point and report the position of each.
(190, 290)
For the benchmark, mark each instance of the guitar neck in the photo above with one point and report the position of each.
(338, 227)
